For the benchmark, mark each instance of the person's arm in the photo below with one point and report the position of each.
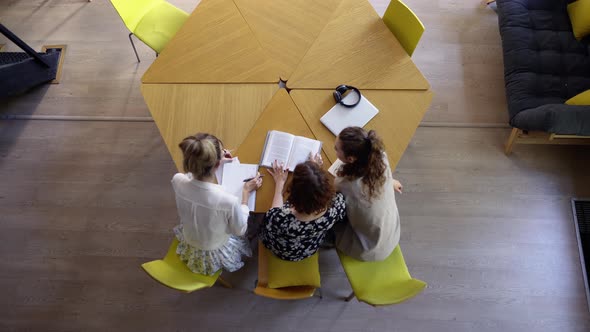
(397, 186)
(238, 220)
(280, 175)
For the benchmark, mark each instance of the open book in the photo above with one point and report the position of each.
(288, 149)
(233, 178)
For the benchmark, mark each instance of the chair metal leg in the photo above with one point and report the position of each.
(320, 293)
(349, 297)
(132, 44)
(224, 283)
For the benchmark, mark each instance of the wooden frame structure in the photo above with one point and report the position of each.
(519, 136)
(62, 55)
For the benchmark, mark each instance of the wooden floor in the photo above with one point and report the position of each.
(83, 204)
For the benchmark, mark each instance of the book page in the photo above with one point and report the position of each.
(277, 147)
(233, 178)
(302, 147)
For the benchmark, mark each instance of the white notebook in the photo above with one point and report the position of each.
(288, 149)
(340, 117)
(233, 178)
(335, 167)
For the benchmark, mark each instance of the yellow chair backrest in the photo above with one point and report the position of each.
(382, 282)
(160, 25)
(132, 11)
(404, 25)
(173, 272)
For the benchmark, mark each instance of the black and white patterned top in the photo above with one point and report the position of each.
(294, 240)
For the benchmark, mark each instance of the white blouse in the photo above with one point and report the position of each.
(208, 214)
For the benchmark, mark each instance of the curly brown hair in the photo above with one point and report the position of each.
(201, 153)
(311, 189)
(367, 149)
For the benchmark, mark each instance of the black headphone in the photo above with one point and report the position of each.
(341, 90)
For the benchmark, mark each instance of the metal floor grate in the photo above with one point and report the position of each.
(581, 209)
(12, 57)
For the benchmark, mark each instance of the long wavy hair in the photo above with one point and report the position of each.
(367, 149)
(311, 189)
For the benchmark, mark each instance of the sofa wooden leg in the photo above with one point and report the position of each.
(511, 139)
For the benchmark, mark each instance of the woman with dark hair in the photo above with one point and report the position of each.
(364, 177)
(295, 229)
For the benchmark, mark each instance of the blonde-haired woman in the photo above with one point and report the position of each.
(212, 221)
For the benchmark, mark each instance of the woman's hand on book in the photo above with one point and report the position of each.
(279, 173)
(317, 158)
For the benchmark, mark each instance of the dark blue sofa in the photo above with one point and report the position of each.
(544, 65)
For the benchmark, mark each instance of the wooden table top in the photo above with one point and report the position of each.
(400, 113)
(356, 48)
(215, 45)
(227, 111)
(219, 75)
(286, 28)
(280, 114)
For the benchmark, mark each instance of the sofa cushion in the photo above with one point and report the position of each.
(579, 13)
(580, 99)
(544, 64)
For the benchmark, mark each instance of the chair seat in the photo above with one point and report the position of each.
(173, 272)
(282, 293)
(382, 282)
(159, 25)
(285, 293)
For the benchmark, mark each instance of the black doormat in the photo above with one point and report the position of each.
(581, 209)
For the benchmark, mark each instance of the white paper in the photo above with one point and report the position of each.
(335, 167)
(278, 147)
(288, 149)
(234, 175)
(219, 171)
(340, 117)
(302, 148)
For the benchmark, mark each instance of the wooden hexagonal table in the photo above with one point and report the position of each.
(220, 74)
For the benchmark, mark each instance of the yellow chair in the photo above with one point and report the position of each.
(173, 272)
(382, 282)
(154, 22)
(404, 25)
(283, 293)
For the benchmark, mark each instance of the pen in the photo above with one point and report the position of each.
(250, 179)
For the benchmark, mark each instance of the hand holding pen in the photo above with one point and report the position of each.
(252, 178)
(251, 185)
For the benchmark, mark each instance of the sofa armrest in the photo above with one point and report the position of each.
(556, 119)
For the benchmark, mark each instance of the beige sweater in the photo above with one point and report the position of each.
(373, 228)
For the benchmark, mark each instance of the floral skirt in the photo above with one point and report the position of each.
(208, 262)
